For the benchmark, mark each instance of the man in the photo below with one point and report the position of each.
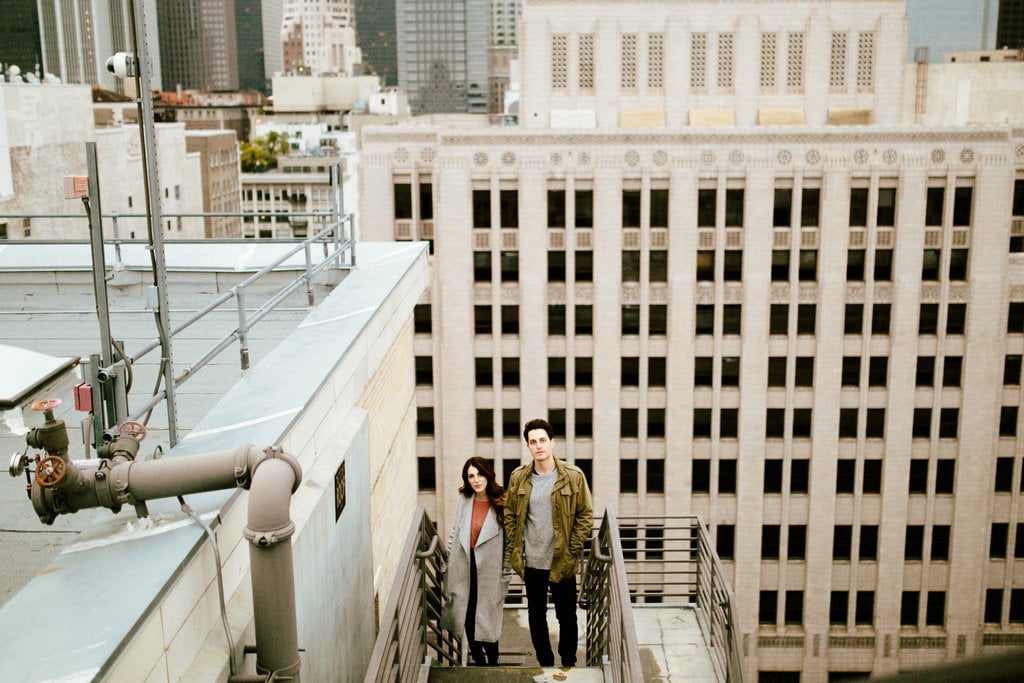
(548, 517)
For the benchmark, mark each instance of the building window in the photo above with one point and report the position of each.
(865, 608)
(556, 371)
(481, 208)
(700, 475)
(845, 475)
(858, 207)
(703, 371)
(842, 543)
(868, 549)
(481, 266)
(655, 61)
(885, 214)
(839, 608)
(484, 423)
(770, 542)
(426, 473)
(998, 540)
(993, 605)
(777, 371)
(510, 266)
(795, 63)
(705, 265)
(421, 319)
(584, 423)
(730, 371)
(806, 319)
(880, 318)
(655, 476)
(584, 320)
(627, 76)
(631, 208)
(556, 266)
(945, 472)
(769, 50)
(556, 320)
(705, 319)
(556, 208)
(559, 61)
(698, 62)
(928, 320)
(586, 61)
(510, 320)
(725, 61)
(655, 423)
(810, 210)
(734, 207)
(797, 542)
(925, 376)
(706, 208)
(584, 210)
(934, 206)
(778, 320)
(726, 476)
(584, 267)
(963, 200)
(913, 546)
(403, 201)
(510, 372)
(728, 423)
(780, 265)
(949, 419)
(930, 264)
(630, 265)
(732, 265)
(1011, 369)
(940, 543)
(702, 423)
(808, 271)
(630, 371)
(584, 371)
(482, 320)
(874, 425)
(878, 371)
(773, 476)
(659, 208)
(855, 259)
(909, 602)
(656, 371)
(935, 611)
(731, 318)
(837, 71)
(767, 608)
(658, 265)
(872, 483)
(922, 424)
(725, 541)
(883, 265)
(866, 61)
(958, 264)
(485, 371)
(424, 370)
(508, 202)
(853, 319)
(510, 423)
(848, 423)
(628, 475)
(851, 371)
(425, 421)
(1004, 481)
(799, 475)
(658, 320)
(1008, 421)
(630, 319)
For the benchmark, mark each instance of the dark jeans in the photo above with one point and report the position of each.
(477, 649)
(563, 594)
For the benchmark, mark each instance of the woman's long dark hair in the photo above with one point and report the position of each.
(495, 491)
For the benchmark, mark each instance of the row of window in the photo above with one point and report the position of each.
(786, 210)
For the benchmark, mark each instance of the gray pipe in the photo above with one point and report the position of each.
(269, 531)
(270, 474)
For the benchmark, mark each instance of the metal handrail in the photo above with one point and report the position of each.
(611, 631)
(679, 565)
(410, 625)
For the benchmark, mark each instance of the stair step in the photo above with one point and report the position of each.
(509, 674)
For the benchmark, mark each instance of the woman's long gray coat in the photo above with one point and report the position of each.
(492, 580)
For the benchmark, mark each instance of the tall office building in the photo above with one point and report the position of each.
(250, 50)
(319, 37)
(375, 28)
(198, 44)
(442, 55)
(20, 42)
(502, 49)
(730, 301)
(1010, 29)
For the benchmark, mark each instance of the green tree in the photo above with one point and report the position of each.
(261, 154)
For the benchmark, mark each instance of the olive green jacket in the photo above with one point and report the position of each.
(572, 516)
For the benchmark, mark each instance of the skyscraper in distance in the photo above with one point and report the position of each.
(19, 35)
(249, 41)
(1010, 27)
(949, 25)
(375, 31)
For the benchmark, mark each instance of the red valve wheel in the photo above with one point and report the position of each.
(45, 404)
(51, 471)
(132, 428)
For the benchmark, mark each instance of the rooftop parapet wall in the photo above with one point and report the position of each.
(159, 619)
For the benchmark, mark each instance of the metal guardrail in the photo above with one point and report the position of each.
(672, 560)
(611, 631)
(410, 625)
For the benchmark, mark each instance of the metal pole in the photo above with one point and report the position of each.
(99, 264)
(151, 174)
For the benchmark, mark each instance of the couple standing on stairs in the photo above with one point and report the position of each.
(536, 528)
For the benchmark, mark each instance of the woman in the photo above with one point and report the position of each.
(477, 577)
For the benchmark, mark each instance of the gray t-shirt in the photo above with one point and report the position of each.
(539, 535)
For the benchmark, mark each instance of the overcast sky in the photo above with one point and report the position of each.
(948, 25)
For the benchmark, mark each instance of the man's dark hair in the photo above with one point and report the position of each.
(537, 423)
